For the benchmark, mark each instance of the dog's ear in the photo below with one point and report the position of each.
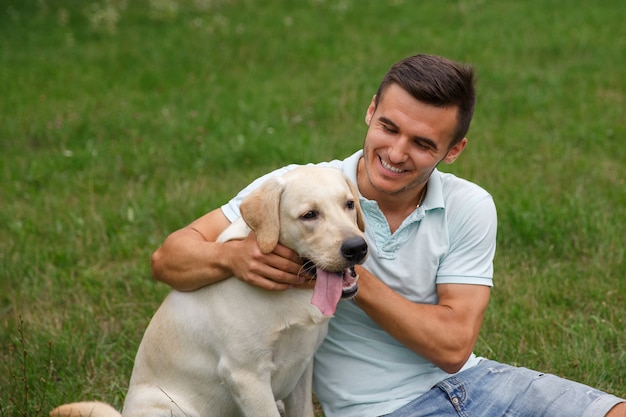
(360, 221)
(260, 210)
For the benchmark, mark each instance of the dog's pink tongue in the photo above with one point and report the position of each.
(327, 292)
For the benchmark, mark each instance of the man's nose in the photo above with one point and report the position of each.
(398, 151)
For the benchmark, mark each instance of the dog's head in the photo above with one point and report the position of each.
(316, 212)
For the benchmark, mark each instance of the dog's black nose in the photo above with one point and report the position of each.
(354, 249)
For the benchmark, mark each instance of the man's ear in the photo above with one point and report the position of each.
(260, 211)
(370, 111)
(455, 151)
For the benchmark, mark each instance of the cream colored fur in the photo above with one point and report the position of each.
(232, 349)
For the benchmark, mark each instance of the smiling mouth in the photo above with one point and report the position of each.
(390, 168)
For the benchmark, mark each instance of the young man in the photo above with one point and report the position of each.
(404, 346)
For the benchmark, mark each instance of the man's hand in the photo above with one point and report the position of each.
(191, 258)
(278, 270)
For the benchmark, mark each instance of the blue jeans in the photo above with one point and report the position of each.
(492, 389)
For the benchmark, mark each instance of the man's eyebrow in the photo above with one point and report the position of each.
(425, 142)
(418, 139)
(386, 121)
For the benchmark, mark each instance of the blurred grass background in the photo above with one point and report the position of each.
(121, 121)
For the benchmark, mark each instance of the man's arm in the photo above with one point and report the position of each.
(444, 333)
(190, 258)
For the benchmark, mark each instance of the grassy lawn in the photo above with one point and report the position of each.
(121, 121)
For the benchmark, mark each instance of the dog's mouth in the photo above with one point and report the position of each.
(330, 286)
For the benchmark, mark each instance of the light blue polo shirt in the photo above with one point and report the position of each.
(360, 370)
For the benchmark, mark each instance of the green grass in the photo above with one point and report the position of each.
(114, 133)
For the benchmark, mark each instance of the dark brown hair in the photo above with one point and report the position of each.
(436, 81)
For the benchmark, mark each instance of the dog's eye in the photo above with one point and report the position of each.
(350, 204)
(309, 215)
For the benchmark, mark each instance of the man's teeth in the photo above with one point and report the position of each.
(391, 168)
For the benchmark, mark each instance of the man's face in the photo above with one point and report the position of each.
(405, 141)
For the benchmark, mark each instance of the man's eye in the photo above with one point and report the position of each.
(350, 204)
(389, 129)
(309, 215)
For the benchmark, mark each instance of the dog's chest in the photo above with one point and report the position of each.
(298, 341)
(292, 351)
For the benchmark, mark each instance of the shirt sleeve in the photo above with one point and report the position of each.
(472, 230)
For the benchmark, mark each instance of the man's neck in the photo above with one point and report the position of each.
(396, 207)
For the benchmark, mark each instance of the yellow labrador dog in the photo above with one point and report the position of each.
(232, 349)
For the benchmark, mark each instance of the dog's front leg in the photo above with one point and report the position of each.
(251, 391)
(300, 402)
